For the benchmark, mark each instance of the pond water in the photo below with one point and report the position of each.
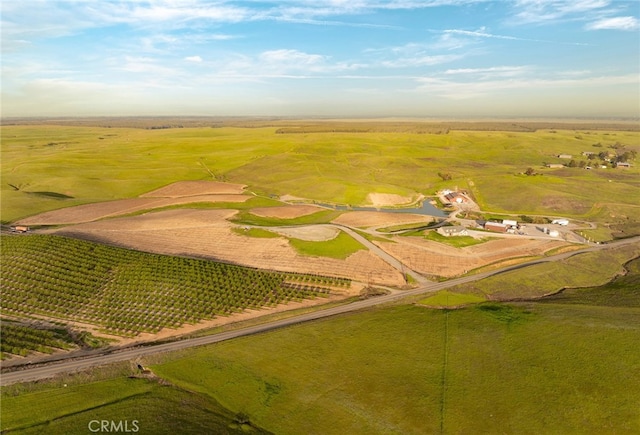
(426, 209)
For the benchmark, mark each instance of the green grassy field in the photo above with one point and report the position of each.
(340, 247)
(43, 165)
(583, 270)
(531, 368)
(456, 241)
(447, 299)
(146, 406)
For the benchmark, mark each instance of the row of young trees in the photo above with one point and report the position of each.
(127, 292)
(20, 340)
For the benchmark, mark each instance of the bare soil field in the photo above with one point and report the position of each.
(100, 210)
(287, 211)
(207, 234)
(313, 233)
(388, 199)
(438, 259)
(371, 219)
(192, 188)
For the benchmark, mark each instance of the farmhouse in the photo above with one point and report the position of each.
(455, 197)
(457, 230)
(555, 165)
(495, 226)
(564, 156)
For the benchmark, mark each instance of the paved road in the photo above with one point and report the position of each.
(71, 365)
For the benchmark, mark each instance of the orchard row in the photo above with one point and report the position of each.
(127, 292)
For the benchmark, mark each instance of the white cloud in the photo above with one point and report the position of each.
(291, 57)
(424, 60)
(541, 11)
(496, 71)
(482, 33)
(616, 23)
(473, 89)
(193, 59)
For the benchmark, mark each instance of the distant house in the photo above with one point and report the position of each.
(555, 165)
(564, 156)
(623, 165)
(457, 230)
(495, 226)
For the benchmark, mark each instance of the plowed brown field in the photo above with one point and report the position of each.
(287, 211)
(191, 188)
(368, 219)
(433, 258)
(207, 234)
(101, 210)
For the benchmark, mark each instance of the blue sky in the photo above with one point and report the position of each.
(342, 58)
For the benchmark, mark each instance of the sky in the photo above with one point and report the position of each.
(334, 58)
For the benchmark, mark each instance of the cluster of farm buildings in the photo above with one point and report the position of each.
(505, 226)
(606, 158)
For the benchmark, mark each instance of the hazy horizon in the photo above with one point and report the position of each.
(440, 59)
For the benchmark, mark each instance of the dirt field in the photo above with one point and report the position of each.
(207, 234)
(287, 211)
(100, 210)
(192, 188)
(387, 199)
(433, 258)
(313, 233)
(372, 219)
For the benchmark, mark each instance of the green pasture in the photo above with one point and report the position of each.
(456, 241)
(320, 217)
(43, 165)
(490, 368)
(447, 299)
(623, 291)
(583, 270)
(339, 247)
(155, 409)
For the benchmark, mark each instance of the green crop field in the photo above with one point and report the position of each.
(47, 167)
(127, 292)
